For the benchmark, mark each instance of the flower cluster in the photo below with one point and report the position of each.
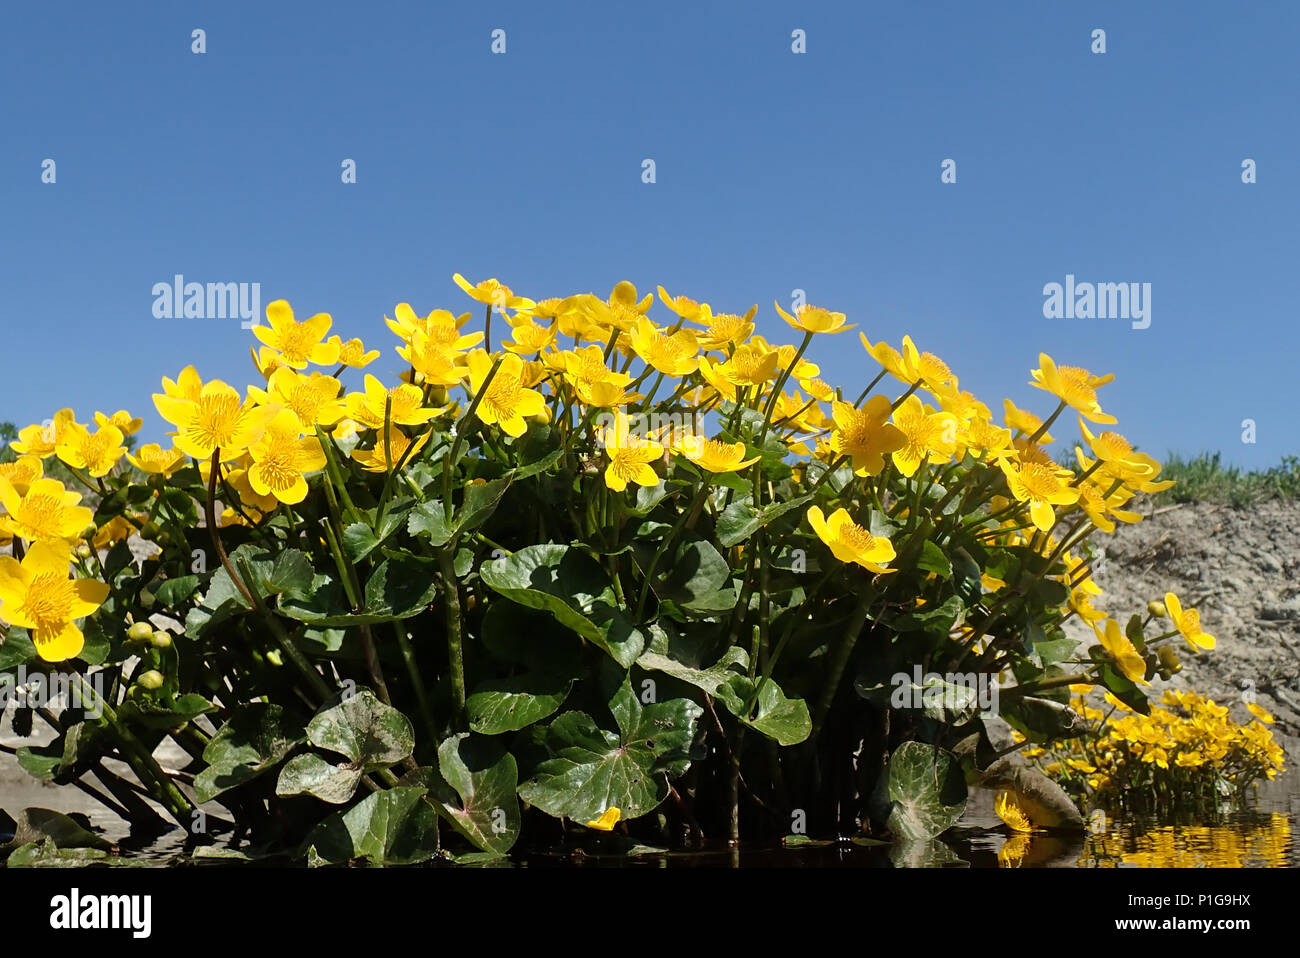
(1186, 750)
(670, 493)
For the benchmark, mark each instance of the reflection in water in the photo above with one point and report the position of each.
(1262, 841)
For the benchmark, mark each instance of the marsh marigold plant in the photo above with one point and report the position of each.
(570, 568)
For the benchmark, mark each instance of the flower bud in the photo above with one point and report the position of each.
(1157, 609)
(84, 551)
(275, 657)
(161, 639)
(151, 680)
(149, 531)
(140, 632)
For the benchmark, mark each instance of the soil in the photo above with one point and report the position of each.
(1241, 569)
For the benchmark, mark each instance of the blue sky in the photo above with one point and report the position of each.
(775, 172)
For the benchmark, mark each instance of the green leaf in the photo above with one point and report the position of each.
(480, 501)
(429, 520)
(310, 774)
(477, 792)
(696, 577)
(393, 827)
(46, 854)
(507, 705)
(933, 560)
(291, 574)
(783, 719)
(174, 592)
(17, 649)
(571, 586)
(922, 793)
(359, 540)
(258, 736)
(165, 715)
(740, 519)
(1040, 719)
(708, 679)
(399, 589)
(371, 734)
(40, 824)
(41, 762)
(592, 769)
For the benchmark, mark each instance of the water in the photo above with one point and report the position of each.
(1262, 836)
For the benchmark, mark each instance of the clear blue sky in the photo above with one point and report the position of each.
(775, 171)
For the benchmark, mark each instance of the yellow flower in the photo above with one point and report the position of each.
(629, 460)
(683, 306)
(865, 435)
(1125, 654)
(849, 541)
(440, 328)
(1260, 713)
(407, 405)
(438, 364)
(814, 319)
(605, 394)
(750, 365)
(673, 355)
(911, 365)
(1188, 622)
(713, 455)
(187, 385)
(282, 458)
(529, 338)
(96, 452)
(608, 819)
(114, 530)
(353, 353)
(217, 419)
(507, 401)
(724, 329)
(123, 420)
(493, 293)
(374, 460)
(42, 439)
(312, 398)
(585, 366)
(1041, 486)
(1122, 460)
(22, 472)
(1023, 421)
(46, 510)
(297, 343)
(1074, 386)
(38, 595)
(926, 434)
(1009, 810)
(154, 459)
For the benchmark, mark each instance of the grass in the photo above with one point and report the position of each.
(1204, 478)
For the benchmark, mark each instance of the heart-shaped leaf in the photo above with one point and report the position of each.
(571, 586)
(393, 827)
(922, 793)
(593, 769)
